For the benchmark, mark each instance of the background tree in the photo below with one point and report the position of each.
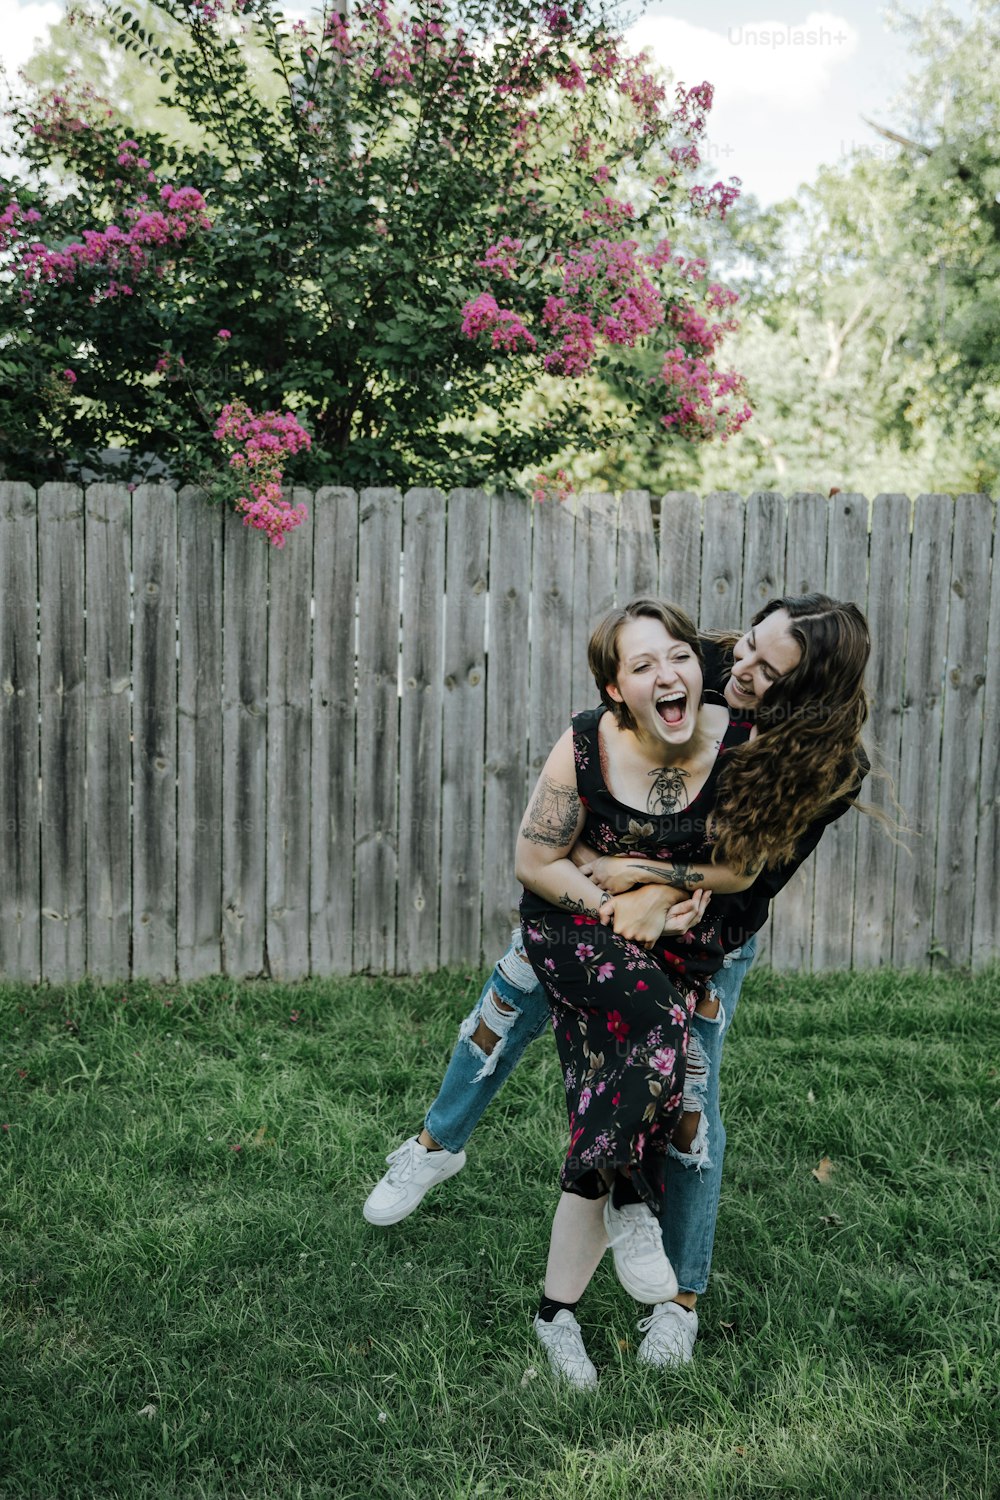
(421, 214)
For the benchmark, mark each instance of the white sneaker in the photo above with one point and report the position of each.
(563, 1343)
(670, 1334)
(412, 1171)
(640, 1260)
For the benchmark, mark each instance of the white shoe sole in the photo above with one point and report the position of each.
(396, 1215)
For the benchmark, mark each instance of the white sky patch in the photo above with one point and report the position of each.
(22, 28)
(777, 87)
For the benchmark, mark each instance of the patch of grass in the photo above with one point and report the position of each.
(193, 1306)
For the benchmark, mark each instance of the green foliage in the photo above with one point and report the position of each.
(354, 175)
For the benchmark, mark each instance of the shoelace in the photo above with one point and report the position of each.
(644, 1229)
(401, 1162)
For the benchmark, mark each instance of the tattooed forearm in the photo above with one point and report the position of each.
(667, 793)
(683, 876)
(552, 817)
(570, 903)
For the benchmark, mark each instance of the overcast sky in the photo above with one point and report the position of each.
(791, 84)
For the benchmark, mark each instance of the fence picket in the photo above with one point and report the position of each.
(467, 567)
(380, 521)
(154, 733)
(421, 713)
(846, 578)
(722, 561)
(962, 709)
(244, 750)
(920, 735)
(335, 598)
(506, 713)
(680, 552)
(108, 546)
(62, 700)
(889, 571)
(199, 736)
(20, 869)
(637, 569)
(986, 908)
(805, 573)
(289, 664)
(551, 626)
(595, 547)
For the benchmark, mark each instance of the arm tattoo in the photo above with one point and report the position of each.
(667, 793)
(568, 903)
(553, 815)
(683, 876)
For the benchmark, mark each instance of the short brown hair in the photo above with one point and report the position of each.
(602, 651)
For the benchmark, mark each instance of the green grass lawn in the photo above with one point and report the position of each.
(192, 1304)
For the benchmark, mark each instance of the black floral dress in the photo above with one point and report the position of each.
(621, 1012)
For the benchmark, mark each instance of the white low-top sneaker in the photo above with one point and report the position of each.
(640, 1260)
(563, 1343)
(412, 1171)
(670, 1334)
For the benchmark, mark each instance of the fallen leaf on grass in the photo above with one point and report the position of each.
(147, 1411)
(623, 1345)
(810, 1097)
(529, 1375)
(830, 1220)
(825, 1170)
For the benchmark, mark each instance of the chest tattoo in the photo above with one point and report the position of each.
(667, 792)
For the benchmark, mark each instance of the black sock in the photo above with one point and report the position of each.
(623, 1192)
(548, 1307)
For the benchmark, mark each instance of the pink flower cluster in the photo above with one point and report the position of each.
(506, 328)
(11, 220)
(552, 487)
(68, 112)
(124, 252)
(605, 295)
(501, 258)
(719, 198)
(262, 444)
(697, 393)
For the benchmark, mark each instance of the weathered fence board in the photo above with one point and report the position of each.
(551, 642)
(637, 566)
(379, 539)
(888, 577)
(833, 912)
(244, 749)
(20, 869)
(154, 733)
(262, 772)
(680, 552)
(805, 573)
(920, 736)
(331, 866)
(63, 730)
(289, 662)
(199, 736)
(595, 549)
(962, 707)
(108, 543)
(506, 712)
(421, 710)
(722, 562)
(986, 901)
(464, 723)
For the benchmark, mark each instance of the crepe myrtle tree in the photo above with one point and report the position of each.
(373, 259)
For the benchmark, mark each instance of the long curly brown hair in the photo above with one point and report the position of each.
(805, 756)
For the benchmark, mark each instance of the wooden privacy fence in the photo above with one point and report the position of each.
(218, 757)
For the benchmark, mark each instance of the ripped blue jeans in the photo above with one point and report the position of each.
(694, 1178)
